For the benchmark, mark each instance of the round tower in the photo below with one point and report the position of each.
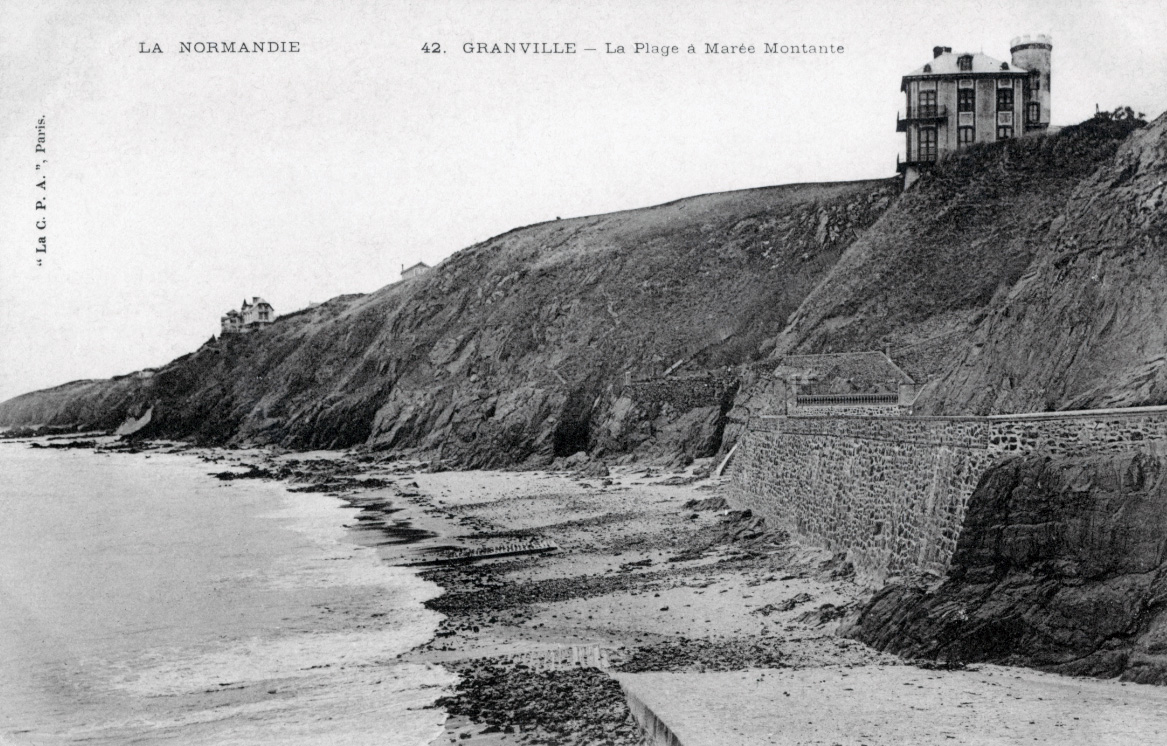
(1033, 54)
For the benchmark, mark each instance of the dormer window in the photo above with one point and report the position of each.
(1004, 65)
(928, 68)
(964, 62)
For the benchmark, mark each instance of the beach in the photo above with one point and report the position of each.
(142, 600)
(588, 604)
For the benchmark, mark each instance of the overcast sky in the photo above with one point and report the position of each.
(178, 183)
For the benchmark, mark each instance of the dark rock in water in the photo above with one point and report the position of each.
(253, 472)
(1062, 565)
(66, 445)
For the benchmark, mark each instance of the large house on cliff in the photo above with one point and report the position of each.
(250, 317)
(957, 100)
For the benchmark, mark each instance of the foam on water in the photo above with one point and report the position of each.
(143, 601)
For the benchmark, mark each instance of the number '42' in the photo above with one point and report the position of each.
(431, 47)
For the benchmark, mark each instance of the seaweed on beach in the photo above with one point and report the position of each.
(566, 708)
(684, 654)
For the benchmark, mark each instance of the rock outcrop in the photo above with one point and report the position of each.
(1082, 327)
(1061, 564)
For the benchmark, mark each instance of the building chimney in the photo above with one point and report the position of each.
(937, 51)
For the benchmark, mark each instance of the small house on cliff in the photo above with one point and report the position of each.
(416, 270)
(250, 317)
(845, 383)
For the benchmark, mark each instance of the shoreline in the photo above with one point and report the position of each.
(654, 582)
(630, 546)
(653, 574)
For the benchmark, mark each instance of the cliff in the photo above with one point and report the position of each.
(992, 272)
(515, 349)
(1082, 326)
(1016, 276)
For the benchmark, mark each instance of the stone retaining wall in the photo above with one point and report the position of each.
(1073, 433)
(854, 410)
(892, 491)
(682, 394)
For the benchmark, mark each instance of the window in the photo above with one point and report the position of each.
(1033, 112)
(964, 62)
(927, 104)
(927, 147)
(1004, 99)
(966, 99)
(1004, 133)
(966, 135)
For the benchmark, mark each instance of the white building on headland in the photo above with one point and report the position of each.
(250, 317)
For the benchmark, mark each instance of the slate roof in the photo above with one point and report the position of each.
(844, 373)
(982, 64)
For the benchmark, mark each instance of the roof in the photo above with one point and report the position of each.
(844, 373)
(419, 264)
(982, 64)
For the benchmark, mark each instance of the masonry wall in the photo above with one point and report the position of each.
(863, 410)
(892, 491)
(682, 394)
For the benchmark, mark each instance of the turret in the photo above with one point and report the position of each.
(1033, 54)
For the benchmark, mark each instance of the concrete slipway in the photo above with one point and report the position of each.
(899, 705)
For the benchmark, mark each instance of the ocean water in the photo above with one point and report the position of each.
(143, 601)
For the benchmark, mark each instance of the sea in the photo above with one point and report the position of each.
(144, 601)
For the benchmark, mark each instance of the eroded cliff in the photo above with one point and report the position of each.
(518, 348)
(1019, 276)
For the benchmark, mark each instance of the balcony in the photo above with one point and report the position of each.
(922, 115)
(902, 165)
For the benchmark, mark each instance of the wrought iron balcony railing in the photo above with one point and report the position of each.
(923, 162)
(922, 114)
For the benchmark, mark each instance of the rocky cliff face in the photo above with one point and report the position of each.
(1017, 276)
(518, 348)
(1062, 564)
(90, 405)
(1083, 326)
(975, 273)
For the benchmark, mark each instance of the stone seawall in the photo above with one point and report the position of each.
(1080, 433)
(892, 491)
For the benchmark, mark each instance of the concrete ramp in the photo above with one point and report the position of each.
(900, 705)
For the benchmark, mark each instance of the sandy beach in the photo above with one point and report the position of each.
(571, 595)
(658, 594)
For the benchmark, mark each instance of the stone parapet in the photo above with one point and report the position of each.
(891, 491)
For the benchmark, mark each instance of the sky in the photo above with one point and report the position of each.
(176, 184)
